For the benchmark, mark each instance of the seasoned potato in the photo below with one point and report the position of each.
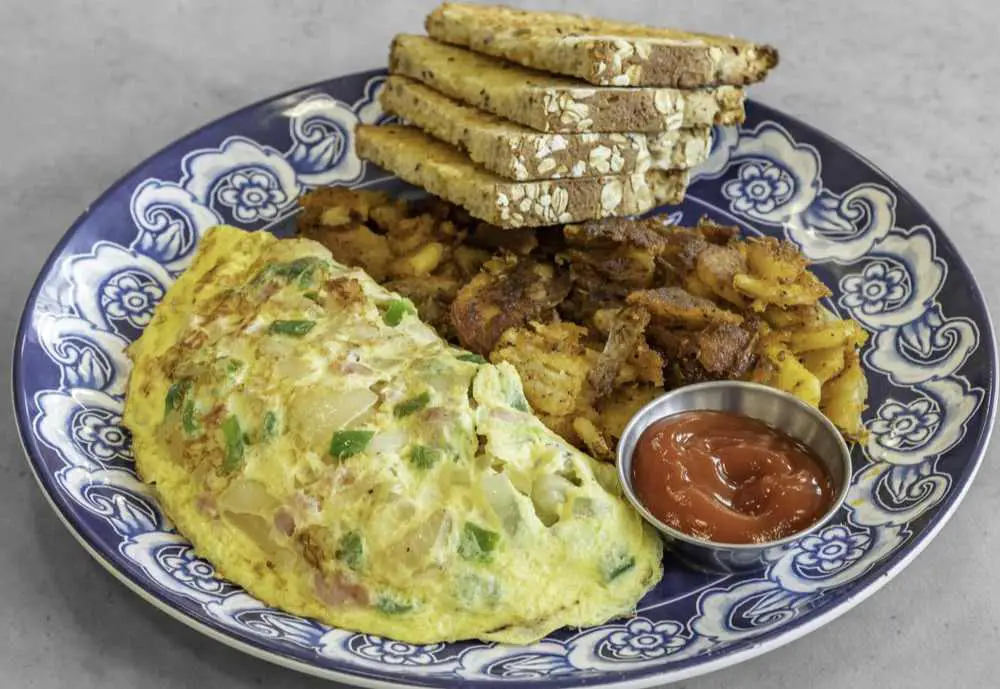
(626, 356)
(824, 363)
(615, 410)
(592, 438)
(334, 206)
(791, 318)
(697, 288)
(356, 245)
(421, 262)
(843, 399)
(552, 361)
(717, 266)
(470, 259)
(600, 317)
(674, 307)
(806, 290)
(791, 375)
(823, 336)
(507, 292)
(774, 260)
(645, 365)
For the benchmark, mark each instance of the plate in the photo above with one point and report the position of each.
(931, 362)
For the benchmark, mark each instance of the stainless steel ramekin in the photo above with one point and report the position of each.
(777, 409)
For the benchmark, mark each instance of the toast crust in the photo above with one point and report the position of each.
(446, 172)
(551, 103)
(516, 152)
(602, 52)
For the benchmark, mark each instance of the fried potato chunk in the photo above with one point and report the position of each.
(644, 234)
(592, 438)
(824, 363)
(791, 318)
(335, 206)
(825, 335)
(717, 266)
(675, 308)
(843, 398)
(774, 260)
(508, 291)
(790, 375)
(553, 363)
(356, 245)
(626, 356)
(615, 410)
(777, 275)
(807, 289)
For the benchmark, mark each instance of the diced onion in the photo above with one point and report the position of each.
(420, 545)
(392, 440)
(316, 412)
(244, 496)
(292, 367)
(549, 495)
(502, 497)
(263, 535)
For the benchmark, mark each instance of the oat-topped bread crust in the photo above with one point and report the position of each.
(446, 172)
(551, 103)
(517, 152)
(602, 52)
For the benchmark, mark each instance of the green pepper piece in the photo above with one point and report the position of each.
(471, 358)
(188, 421)
(234, 444)
(270, 425)
(392, 607)
(412, 405)
(518, 401)
(351, 550)
(424, 457)
(395, 311)
(617, 566)
(293, 328)
(346, 444)
(176, 394)
(289, 269)
(476, 543)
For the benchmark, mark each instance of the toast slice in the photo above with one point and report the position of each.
(551, 103)
(516, 152)
(446, 172)
(602, 52)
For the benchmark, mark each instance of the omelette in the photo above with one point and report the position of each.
(329, 452)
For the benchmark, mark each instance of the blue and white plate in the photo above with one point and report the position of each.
(931, 361)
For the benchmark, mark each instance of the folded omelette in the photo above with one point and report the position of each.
(330, 453)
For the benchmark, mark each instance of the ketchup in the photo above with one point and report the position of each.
(729, 478)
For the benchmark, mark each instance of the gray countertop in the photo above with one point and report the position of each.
(89, 88)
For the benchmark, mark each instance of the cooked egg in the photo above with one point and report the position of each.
(330, 453)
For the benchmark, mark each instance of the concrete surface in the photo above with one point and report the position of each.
(89, 88)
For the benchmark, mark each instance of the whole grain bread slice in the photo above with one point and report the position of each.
(444, 171)
(602, 52)
(517, 152)
(551, 103)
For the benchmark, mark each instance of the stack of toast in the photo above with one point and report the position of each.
(536, 118)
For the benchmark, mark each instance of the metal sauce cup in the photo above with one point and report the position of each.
(777, 409)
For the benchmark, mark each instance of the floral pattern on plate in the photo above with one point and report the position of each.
(930, 359)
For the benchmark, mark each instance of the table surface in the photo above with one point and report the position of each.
(90, 88)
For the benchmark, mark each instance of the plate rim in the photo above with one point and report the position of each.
(765, 642)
